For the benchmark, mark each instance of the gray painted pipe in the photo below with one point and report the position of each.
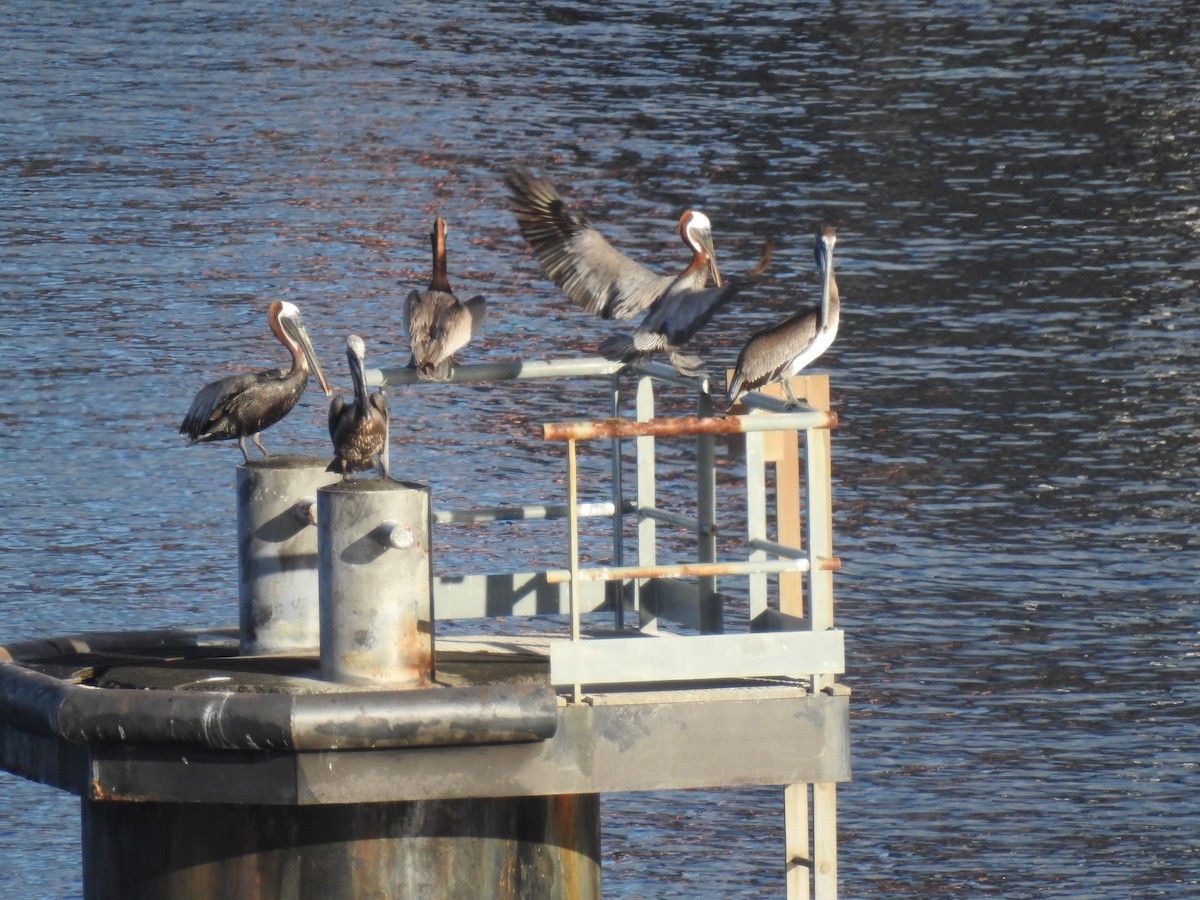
(376, 583)
(277, 553)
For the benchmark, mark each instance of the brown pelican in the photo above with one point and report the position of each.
(438, 324)
(359, 429)
(243, 405)
(602, 280)
(778, 352)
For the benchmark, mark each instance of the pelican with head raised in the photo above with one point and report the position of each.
(241, 406)
(778, 352)
(438, 324)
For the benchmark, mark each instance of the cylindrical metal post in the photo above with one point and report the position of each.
(376, 583)
(277, 553)
(519, 848)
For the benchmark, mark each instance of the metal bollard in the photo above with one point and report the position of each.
(376, 583)
(277, 553)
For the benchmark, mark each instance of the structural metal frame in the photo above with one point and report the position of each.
(787, 641)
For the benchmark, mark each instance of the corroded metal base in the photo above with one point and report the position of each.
(524, 847)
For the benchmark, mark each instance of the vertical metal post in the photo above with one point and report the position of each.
(646, 499)
(711, 615)
(616, 595)
(277, 553)
(573, 548)
(376, 583)
(756, 518)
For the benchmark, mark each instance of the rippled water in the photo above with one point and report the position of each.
(1016, 492)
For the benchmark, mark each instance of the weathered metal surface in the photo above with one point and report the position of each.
(512, 370)
(505, 848)
(637, 743)
(615, 661)
(375, 596)
(277, 553)
(675, 426)
(605, 748)
(41, 704)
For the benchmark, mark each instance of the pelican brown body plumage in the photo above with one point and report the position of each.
(438, 324)
(241, 406)
(601, 280)
(778, 352)
(358, 429)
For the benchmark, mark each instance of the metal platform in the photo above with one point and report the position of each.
(68, 721)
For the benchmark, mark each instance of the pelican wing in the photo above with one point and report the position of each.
(587, 268)
(208, 416)
(680, 314)
(379, 401)
(477, 307)
(336, 408)
(771, 350)
(450, 333)
(412, 307)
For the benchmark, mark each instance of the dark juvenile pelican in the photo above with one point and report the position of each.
(359, 429)
(778, 352)
(601, 280)
(438, 324)
(243, 405)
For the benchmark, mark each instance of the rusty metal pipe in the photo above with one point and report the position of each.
(674, 427)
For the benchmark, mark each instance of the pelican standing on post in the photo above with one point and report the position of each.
(601, 280)
(359, 429)
(241, 406)
(438, 324)
(778, 352)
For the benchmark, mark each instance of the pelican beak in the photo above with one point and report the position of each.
(825, 260)
(711, 258)
(311, 355)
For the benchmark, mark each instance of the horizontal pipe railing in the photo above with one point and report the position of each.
(507, 370)
(252, 721)
(476, 515)
(674, 427)
(525, 370)
(679, 570)
(688, 523)
(776, 549)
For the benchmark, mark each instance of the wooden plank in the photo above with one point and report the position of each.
(825, 869)
(819, 503)
(696, 658)
(796, 842)
(788, 527)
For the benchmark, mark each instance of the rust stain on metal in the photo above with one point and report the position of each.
(660, 427)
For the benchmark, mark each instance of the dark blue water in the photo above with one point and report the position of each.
(1017, 499)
